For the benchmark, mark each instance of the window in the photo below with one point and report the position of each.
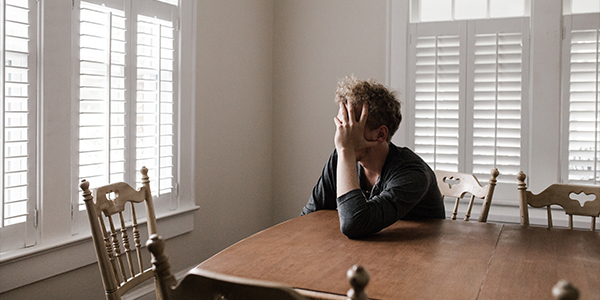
(469, 82)
(18, 135)
(450, 10)
(581, 82)
(582, 6)
(101, 94)
(127, 96)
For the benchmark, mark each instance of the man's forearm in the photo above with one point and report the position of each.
(347, 174)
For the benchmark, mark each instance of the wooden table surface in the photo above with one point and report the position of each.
(430, 259)
(529, 261)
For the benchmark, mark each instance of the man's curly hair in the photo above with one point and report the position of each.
(384, 108)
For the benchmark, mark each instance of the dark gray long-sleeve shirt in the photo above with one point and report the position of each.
(406, 189)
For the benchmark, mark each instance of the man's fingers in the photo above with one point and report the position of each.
(343, 114)
(350, 112)
(337, 121)
(364, 113)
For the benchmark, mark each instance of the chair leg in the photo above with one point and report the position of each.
(469, 208)
(570, 221)
(455, 211)
(549, 216)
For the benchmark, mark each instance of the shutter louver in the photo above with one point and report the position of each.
(584, 125)
(497, 93)
(437, 101)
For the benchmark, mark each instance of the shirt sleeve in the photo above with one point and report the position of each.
(401, 192)
(324, 193)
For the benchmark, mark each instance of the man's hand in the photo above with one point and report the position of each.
(350, 132)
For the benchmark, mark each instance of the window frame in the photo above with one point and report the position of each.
(545, 113)
(466, 31)
(542, 112)
(131, 9)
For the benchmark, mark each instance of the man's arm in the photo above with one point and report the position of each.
(323, 194)
(359, 218)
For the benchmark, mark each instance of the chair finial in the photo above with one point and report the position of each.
(359, 278)
(145, 177)
(521, 177)
(495, 173)
(85, 187)
(564, 290)
(160, 261)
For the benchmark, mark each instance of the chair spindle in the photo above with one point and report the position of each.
(117, 248)
(469, 208)
(137, 239)
(455, 211)
(126, 246)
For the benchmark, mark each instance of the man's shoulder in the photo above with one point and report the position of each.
(404, 154)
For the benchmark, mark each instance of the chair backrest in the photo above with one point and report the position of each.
(202, 284)
(560, 194)
(119, 261)
(457, 185)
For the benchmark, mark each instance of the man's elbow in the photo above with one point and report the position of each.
(353, 231)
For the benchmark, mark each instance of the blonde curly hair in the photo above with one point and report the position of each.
(384, 108)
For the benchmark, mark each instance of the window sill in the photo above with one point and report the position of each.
(26, 266)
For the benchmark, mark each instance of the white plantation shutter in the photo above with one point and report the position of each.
(468, 91)
(437, 77)
(127, 95)
(18, 119)
(102, 95)
(155, 106)
(581, 52)
(497, 83)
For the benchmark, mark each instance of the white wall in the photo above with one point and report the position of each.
(316, 43)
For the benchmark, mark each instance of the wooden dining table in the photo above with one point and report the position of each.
(425, 259)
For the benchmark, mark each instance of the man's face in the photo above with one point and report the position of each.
(370, 135)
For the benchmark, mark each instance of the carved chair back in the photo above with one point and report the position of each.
(564, 195)
(118, 253)
(458, 185)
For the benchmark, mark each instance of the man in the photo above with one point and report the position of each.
(369, 180)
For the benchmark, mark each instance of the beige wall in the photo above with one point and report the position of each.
(316, 43)
(266, 76)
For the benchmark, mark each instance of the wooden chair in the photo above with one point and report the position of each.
(457, 185)
(120, 265)
(564, 290)
(559, 194)
(202, 284)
